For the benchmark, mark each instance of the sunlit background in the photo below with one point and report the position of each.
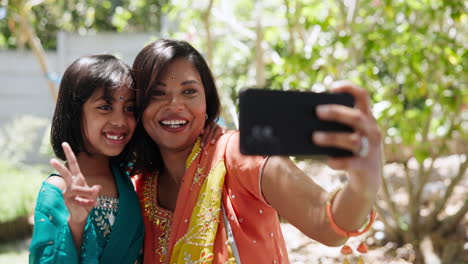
(411, 55)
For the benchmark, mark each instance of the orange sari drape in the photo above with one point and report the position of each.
(220, 215)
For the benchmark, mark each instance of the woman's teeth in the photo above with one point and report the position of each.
(174, 123)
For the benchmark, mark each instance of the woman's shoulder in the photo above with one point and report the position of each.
(227, 139)
(233, 154)
(219, 148)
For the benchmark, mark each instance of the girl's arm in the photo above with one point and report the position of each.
(52, 241)
(79, 197)
(303, 202)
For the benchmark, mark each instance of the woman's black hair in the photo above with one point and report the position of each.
(147, 67)
(84, 76)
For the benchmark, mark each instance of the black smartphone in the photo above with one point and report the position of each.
(274, 122)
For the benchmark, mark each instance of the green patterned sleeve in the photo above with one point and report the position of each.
(52, 241)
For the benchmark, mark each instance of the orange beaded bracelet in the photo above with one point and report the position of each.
(341, 231)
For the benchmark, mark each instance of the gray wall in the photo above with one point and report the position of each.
(23, 87)
(125, 46)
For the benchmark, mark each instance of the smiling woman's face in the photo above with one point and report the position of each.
(175, 115)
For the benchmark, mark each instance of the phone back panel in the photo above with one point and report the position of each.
(273, 122)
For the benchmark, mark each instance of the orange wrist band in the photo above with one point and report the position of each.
(341, 231)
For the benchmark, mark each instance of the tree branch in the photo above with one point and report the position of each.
(209, 41)
(450, 222)
(409, 183)
(342, 9)
(412, 205)
(393, 211)
(423, 180)
(391, 230)
(423, 174)
(441, 203)
(36, 46)
(259, 60)
(292, 44)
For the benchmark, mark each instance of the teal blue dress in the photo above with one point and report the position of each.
(113, 232)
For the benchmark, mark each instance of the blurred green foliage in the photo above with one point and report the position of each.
(411, 56)
(20, 136)
(82, 16)
(20, 186)
(20, 182)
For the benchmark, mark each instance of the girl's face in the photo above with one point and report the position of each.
(175, 115)
(108, 122)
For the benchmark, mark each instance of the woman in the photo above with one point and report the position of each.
(212, 204)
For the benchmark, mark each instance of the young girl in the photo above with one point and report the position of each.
(89, 212)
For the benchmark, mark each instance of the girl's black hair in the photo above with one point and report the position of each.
(84, 76)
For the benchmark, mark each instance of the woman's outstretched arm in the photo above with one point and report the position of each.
(303, 202)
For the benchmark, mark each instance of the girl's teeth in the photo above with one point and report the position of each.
(113, 137)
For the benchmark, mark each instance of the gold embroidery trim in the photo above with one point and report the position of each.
(159, 217)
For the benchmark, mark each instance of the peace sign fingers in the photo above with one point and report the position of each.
(78, 196)
(72, 163)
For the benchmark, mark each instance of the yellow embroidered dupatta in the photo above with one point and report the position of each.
(198, 216)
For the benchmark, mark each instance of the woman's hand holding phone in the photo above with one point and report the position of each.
(365, 167)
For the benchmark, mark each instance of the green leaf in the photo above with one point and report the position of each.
(422, 153)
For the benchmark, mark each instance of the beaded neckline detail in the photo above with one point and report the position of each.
(107, 203)
(104, 214)
(161, 218)
(150, 200)
(194, 154)
(158, 216)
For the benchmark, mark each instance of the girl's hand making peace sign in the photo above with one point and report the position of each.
(79, 197)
